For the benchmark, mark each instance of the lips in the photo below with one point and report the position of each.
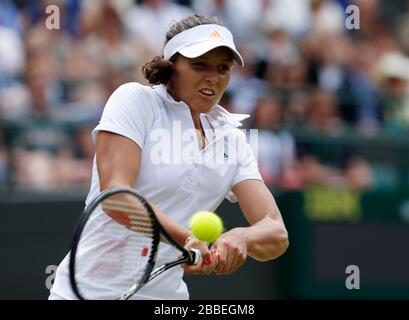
(207, 92)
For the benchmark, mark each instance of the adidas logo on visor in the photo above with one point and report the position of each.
(216, 35)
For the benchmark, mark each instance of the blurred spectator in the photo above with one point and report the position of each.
(41, 79)
(358, 97)
(293, 16)
(48, 157)
(10, 17)
(4, 166)
(217, 8)
(90, 77)
(402, 29)
(335, 59)
(43, 169)
(276, 147)
(280, 47)
(357, 175)
(296, 111)
(150, 20)
(327, 16)
(240, 16)
(34, 13)
(245, 86)
(329, 80)
(369, 18)
(323, 114)
(4, 161)
(33, 168)
(12, 57)
(393, 73)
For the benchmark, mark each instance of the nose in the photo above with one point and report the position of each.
(212, 76)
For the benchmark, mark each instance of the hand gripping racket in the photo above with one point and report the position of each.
(133, 240)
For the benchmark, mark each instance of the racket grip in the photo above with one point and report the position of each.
(196, 256)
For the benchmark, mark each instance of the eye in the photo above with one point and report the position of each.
(224, 68)
(199, 64)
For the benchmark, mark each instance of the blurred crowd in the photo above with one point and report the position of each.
(305, 70)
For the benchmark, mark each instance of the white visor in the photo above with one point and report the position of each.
(194, 42)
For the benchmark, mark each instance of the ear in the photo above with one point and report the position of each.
(175, 57)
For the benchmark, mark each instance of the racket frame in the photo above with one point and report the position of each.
(191, 256)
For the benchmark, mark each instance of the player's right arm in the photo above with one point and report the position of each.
(118, 162)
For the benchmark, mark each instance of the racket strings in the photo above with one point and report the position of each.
(133, 215)
(123, 246)
(136, 207)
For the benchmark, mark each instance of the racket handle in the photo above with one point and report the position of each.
(196, 256)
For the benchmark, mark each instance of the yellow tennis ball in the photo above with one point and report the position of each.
(206, 226)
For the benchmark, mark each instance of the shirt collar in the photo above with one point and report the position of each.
(223, 117)
(164, 94)
(218, 115)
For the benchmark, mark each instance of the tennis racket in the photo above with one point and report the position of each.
(135, 231)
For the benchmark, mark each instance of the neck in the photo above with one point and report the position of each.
(196, 119)
(195, 115)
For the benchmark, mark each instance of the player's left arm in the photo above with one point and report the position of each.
(266, 238)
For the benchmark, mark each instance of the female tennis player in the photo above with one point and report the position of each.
(144, 142)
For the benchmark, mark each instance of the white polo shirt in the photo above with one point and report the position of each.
(175, 175)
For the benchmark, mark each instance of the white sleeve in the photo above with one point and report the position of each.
(247, 170)
(126, 114)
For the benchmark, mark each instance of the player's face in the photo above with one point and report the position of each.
(200, 82)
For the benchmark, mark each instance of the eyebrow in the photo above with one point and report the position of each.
(228, 61)
(223, 60)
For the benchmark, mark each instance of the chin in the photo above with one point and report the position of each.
(204, 108)
(208, 109)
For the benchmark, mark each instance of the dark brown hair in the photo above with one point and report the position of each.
(159, 70)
